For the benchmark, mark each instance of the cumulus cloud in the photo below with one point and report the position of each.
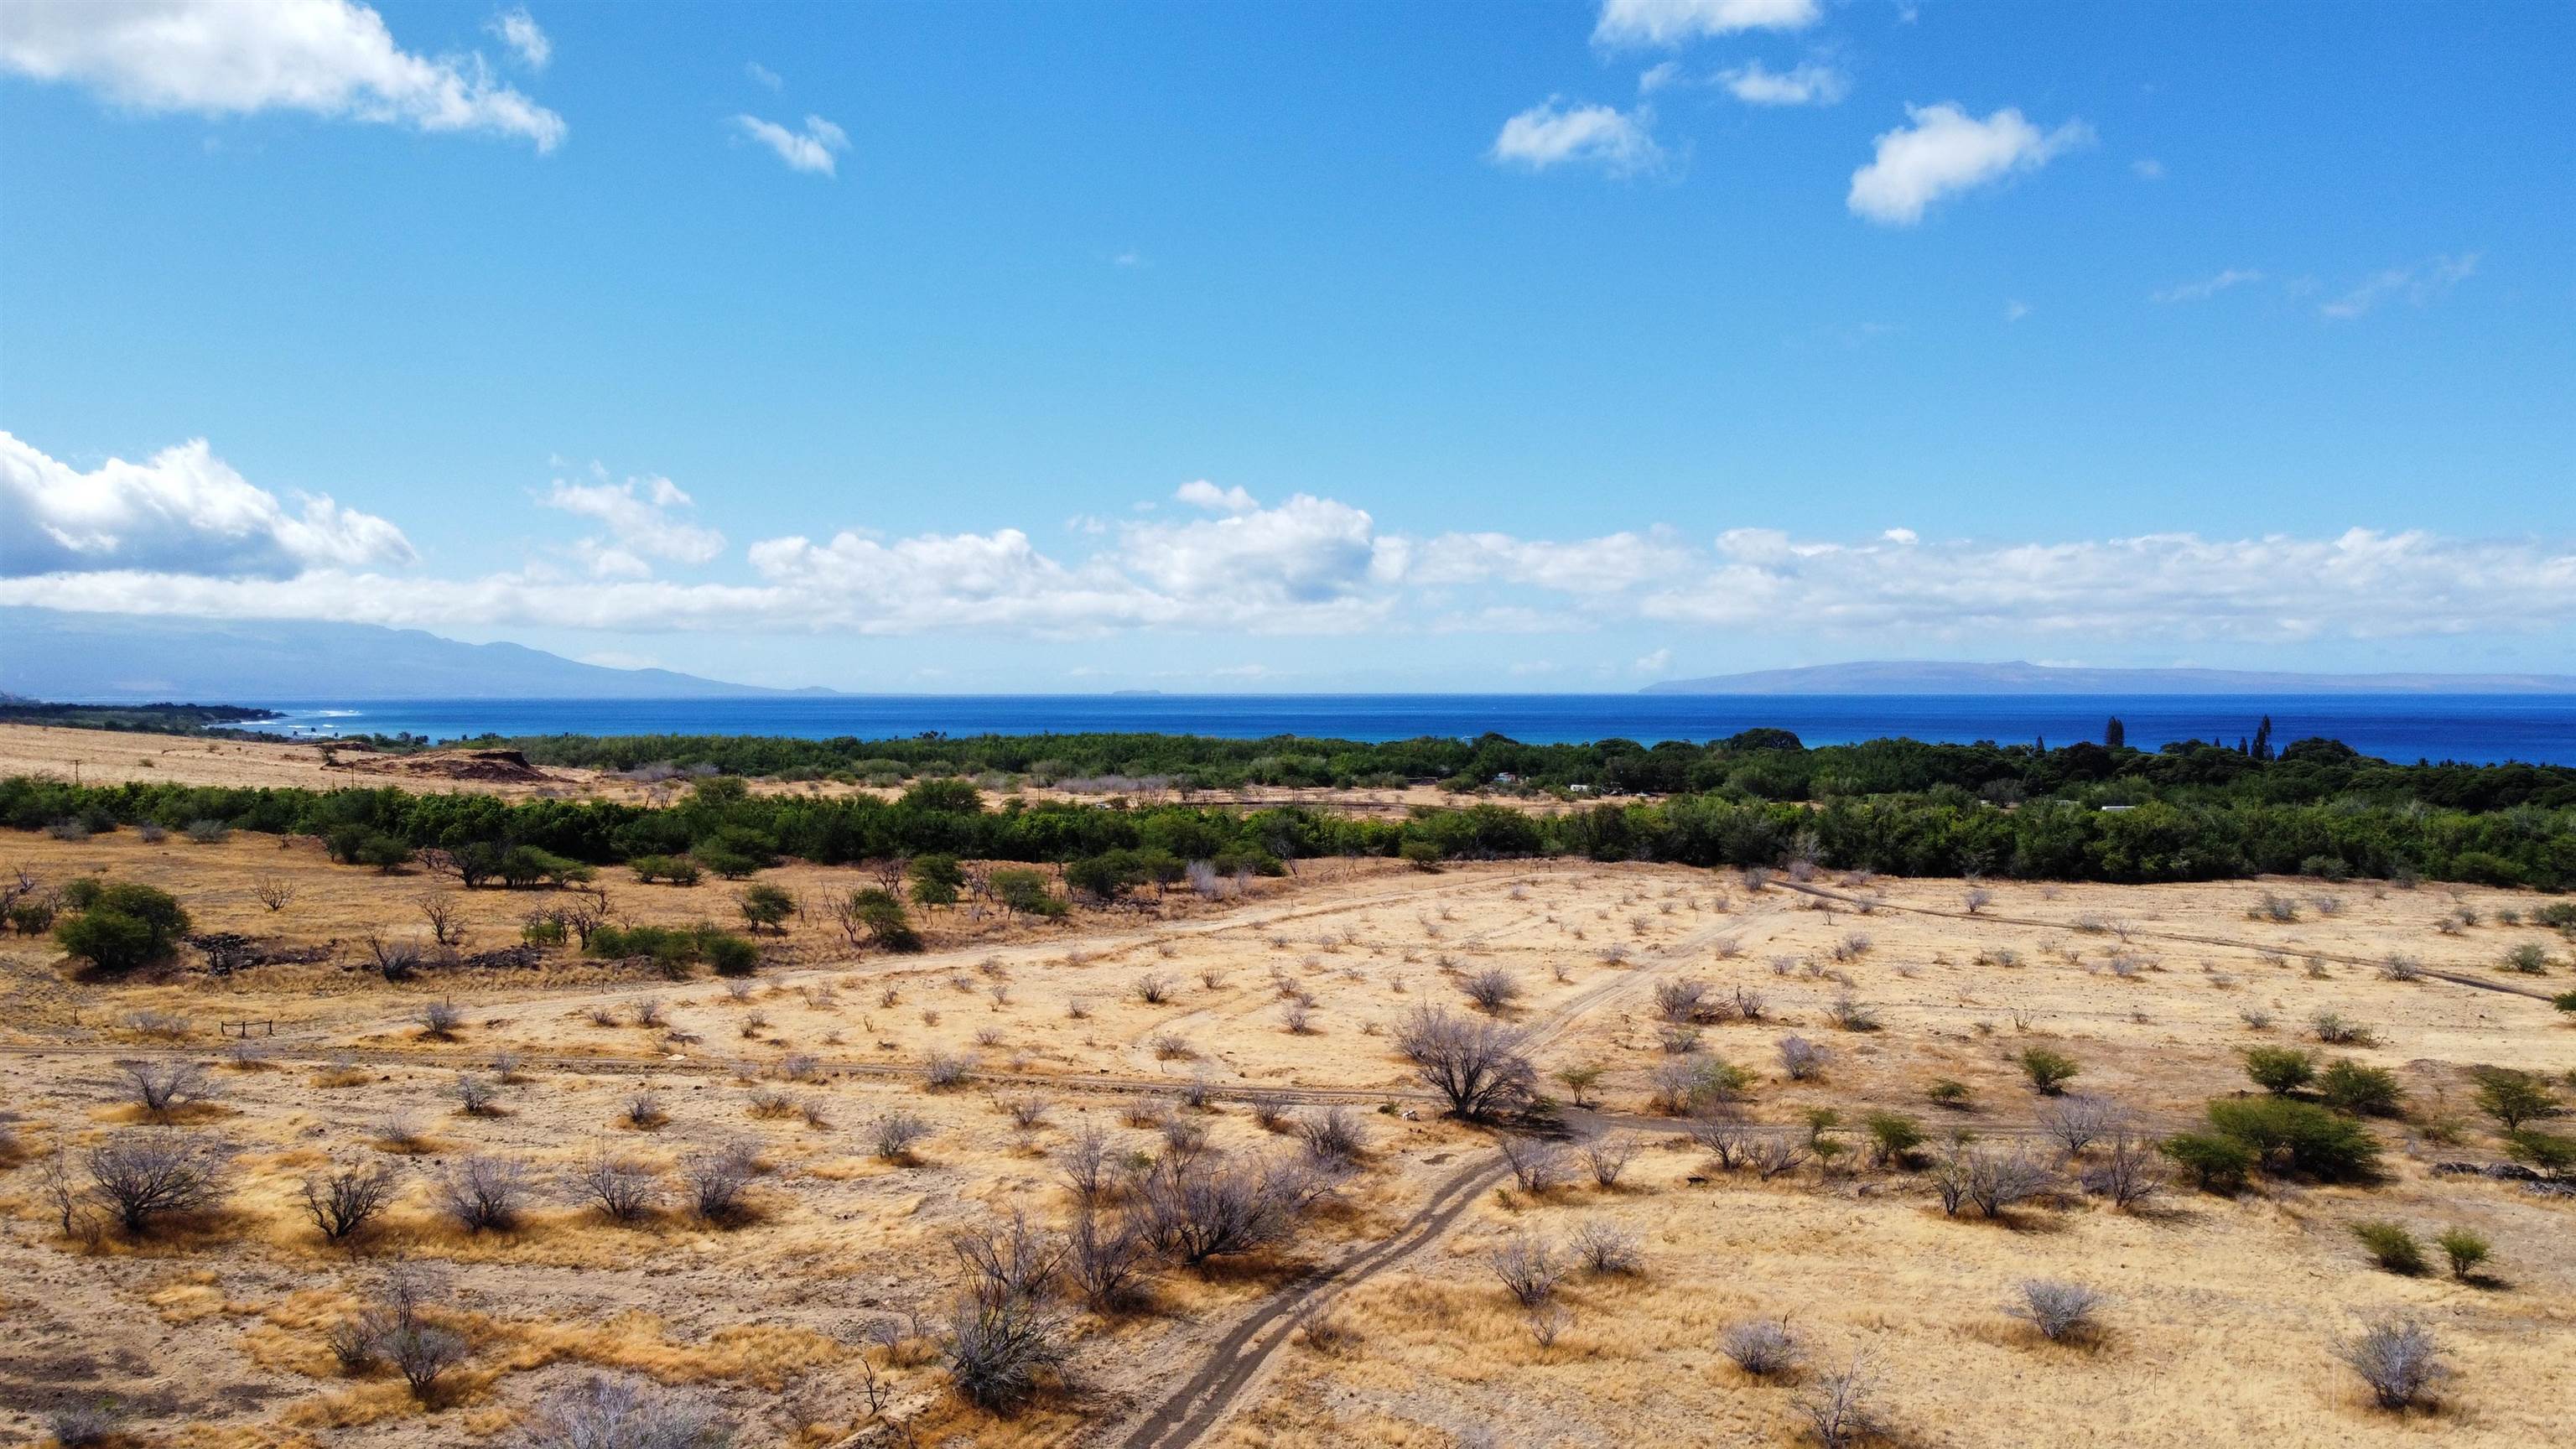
(1674, 22)
(815, 149)
(518, 30)
(181, 511)
(763, 75)
(644, 521)
(2417, 284)
(221, 57)
(1805, 85)
(2207, 287)
(1943, 150)
(184, 534)
(1552, 134)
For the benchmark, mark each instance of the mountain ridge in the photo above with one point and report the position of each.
(126, 658)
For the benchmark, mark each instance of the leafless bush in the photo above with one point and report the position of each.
(439, 1019)
(1476, 1066)
(1195, 1210)
(1529, 1267)
(997, 1352)
(1837, 1408)
(2131, 1172)
(717, 1180)
(274, 892)
(1851, 1014)
(1106, 1261)
(476, 1096)
(1978, 898)
(894, 1135)
(1006, 1258)
(345, 1199)
(2398, 1358)
(644, 1109)
(1802, 1059)
(142, 1175)
(1775, 1154)
(1686, 1001)
(2076, 1121)
(1548, 1323)
(1298, 1016)
(1750, 1003)
(1607, 1157)
(651, 1012)
(941, 1071)
(1492, 989)
(163, 1087)
(1538, 1167)
(1992, 1181)
(1605, 1248)
(622, 1189)
(395, 1329)
(446, 924)
(1334, 1137)
(83, 1425)
(604, 1413)
(1089, 1164)
(1173, 1047)
(1027, 1112)
(1762, 1347)
(2400, 967)
(484, 1193)
(1153, 988)
(2058, 1309)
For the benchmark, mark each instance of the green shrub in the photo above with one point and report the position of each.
(1423, 855)
(879, 915)
(679, 870)
(2391, 1247)
(2547, 1151)
(2513, 1098)
(726, 953)
(2466, 1250)
(1026, 892)
(936, 879)
(2279, 1070)
(2527, 958)
(82, 893)
(2217, 1163)
(1892, 1135)
(2301, 1137)
(731, 864)
(2049, 1071)
(2348, 1086)
(766, 908)
(122, 926)
(2564, 1001)
(543, 931)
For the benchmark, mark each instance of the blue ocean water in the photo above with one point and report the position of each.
(2481, 729)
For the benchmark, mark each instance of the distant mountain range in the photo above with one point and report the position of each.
(1937, 677)
(105, 658)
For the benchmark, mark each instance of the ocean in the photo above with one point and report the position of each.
(2479, 729)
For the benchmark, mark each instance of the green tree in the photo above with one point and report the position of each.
(2513, 1098)
(2279, 1070)
(766, 908)
(936, 879)
(124, 925)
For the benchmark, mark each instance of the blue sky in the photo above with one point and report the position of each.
(1294, 347)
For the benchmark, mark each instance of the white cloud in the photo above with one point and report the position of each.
(1805, 85)
(763, 75)
(2015, 309)
(2147, 168)
(222, 57)
(1945, 150)
(1655, 663)
(1658, 76)
(1673, 22)
(518, 30)
(1200, 493)
(814, 149)
(2416, 284)
(1553, 135)
(183, 534)
(643, 523)
(182, 511)
(2207, 287)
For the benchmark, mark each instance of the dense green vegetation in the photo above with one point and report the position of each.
(164, 719)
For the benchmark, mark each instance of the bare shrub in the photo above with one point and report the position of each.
(1548, 1324)
(274, 892)
(717, 1180)
(604, 1413)
(1106, 1261)
(1538, 1167)
(1991, 1181)
(1837, 1407)
(1529, 1267)
(143, 1175)
(1686, 1001)
(1607, 1157)
(622, 1189)
(1026, 1112)
(1492, 989)
(345, 1199)
(894, 1135)
(1270, 1109)
(941, 1071)
(440, 1019)
(83, 1425)
(2398, 1358)
(644, 1109)
(2076, 1121)
(1153, 988)
(1763, 1347)
(476, 1096)
(1476, 1066)
(446, 924)
(997, 1352)
(1089, 1165)
(484, 1194)
(1195, 1210)
(164, 1087)
(2060, 1310)
(1802, 1059)
(1334, 1137)
(1851, 1014)
(1775, 1154)
(1750, 1003)
(2130, 1173)
(1006, 1258)
(1603, 1247)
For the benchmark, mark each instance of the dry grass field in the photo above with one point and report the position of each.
(1215, 1033)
